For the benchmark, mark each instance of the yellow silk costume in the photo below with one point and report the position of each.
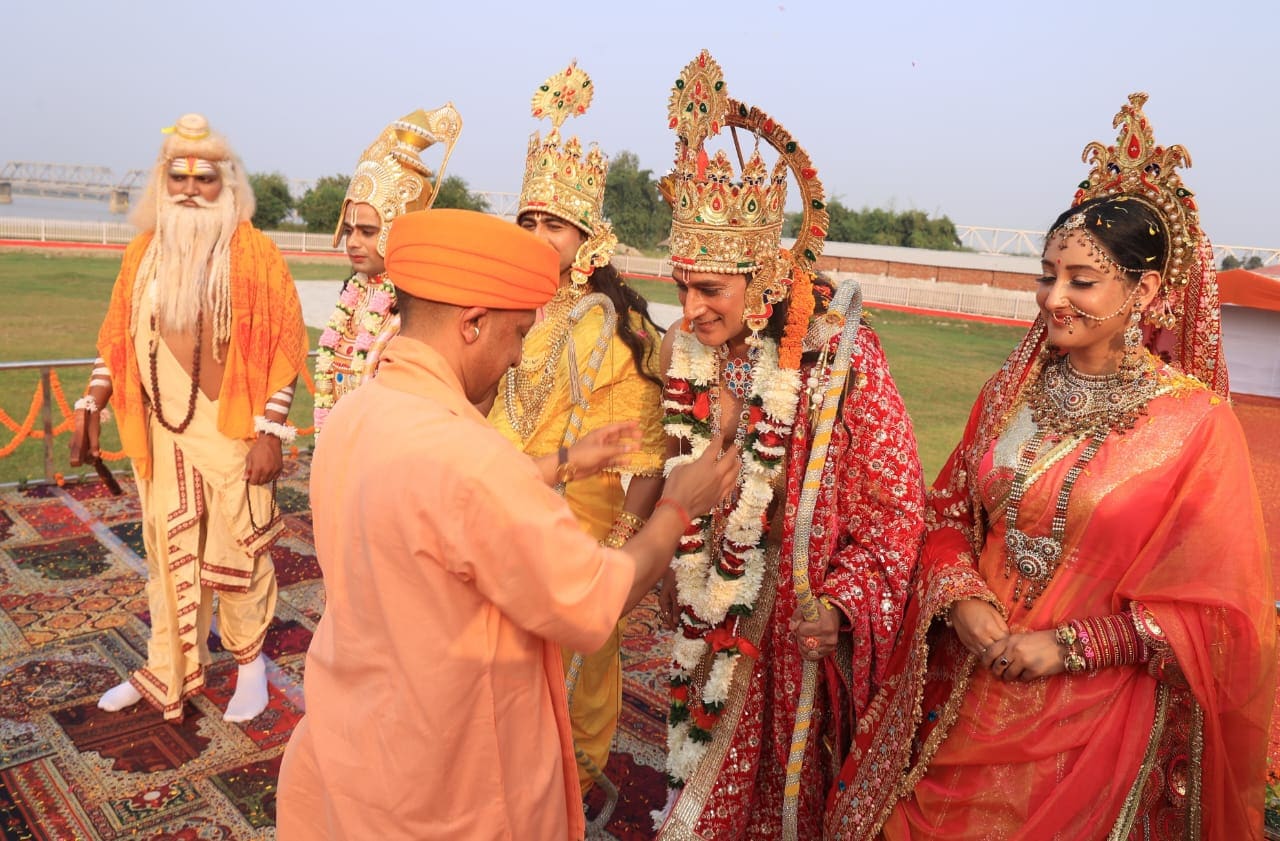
(619, 393)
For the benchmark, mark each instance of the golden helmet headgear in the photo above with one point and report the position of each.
(391, 177)
(735, 227)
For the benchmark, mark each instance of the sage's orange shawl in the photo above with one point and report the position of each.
(267, 350)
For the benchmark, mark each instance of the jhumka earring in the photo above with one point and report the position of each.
(1131, 364)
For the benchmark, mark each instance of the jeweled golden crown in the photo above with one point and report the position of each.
(558, 178)
(718, 224)
(1135, 165)
(391, 176)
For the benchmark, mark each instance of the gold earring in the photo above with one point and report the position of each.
(475, 332)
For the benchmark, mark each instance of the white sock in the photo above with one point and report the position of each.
(250, 697)
(118, 697)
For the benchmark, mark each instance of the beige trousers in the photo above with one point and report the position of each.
(200, 538)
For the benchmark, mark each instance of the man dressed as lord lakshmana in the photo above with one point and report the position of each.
(199, 352)
(390, 180)
(591, 361)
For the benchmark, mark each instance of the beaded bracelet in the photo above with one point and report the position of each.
(86, 402)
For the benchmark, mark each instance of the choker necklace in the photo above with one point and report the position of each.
(1065, 401)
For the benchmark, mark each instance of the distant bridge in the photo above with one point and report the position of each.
(68, 181)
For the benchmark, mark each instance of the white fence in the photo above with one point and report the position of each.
(119, 233)
(946, 297)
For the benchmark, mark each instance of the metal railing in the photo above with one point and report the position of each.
(46, 368)
(1019, 243)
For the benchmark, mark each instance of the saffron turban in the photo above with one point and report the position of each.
(470, 259)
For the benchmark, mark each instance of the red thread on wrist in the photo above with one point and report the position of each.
(678, 508)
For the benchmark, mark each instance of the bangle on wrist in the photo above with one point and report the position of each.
(1069, 636)
(284, 432)
(678, 509)
(565, 469)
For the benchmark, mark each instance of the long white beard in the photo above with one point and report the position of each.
(192, 263)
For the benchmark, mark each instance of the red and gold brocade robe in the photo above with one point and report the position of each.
(864, 538)
(1166, 517)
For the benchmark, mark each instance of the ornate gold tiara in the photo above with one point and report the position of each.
(558, 178)
(1136, 166)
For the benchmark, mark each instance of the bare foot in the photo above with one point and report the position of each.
(118, 697)
(250, 697)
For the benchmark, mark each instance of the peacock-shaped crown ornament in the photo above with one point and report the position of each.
(727, 225)
(558, 178)
(391, 177)
(1136, 166)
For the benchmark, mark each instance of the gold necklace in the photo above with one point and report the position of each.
(528, 386)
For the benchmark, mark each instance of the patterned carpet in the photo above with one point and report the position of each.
(73, 622)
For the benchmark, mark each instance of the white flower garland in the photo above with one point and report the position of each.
(703, 583)
(382, 296)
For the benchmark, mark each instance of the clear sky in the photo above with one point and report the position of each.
(976, 110)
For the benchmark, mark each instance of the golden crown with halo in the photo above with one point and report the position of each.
(735, 227)
(391, 177)
(558, 178)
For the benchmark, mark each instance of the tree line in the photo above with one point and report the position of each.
(632, 202)
(319, 206)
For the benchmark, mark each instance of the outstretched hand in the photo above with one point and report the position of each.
(702, 483)
(605, 447)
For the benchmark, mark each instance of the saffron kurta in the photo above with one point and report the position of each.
(434, 687)
(618, 393)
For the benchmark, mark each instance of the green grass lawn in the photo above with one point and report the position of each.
(54, 304)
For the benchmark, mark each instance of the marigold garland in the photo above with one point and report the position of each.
(800, 310)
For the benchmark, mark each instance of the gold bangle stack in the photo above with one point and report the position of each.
(624, 528)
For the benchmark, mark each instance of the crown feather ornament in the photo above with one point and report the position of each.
(723, 225)
(391, 177)
(558, 178)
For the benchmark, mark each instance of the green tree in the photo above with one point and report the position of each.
(878, 226)
(633, 204)
(455, 193)
(1254, 262)
(322, 204)
(271, 193)
(1230, 262)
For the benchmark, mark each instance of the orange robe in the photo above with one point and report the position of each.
(435, 693)
(267, 350)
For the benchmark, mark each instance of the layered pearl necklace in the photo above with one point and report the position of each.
(718, 577)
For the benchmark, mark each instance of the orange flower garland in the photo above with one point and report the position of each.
(800, 311)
